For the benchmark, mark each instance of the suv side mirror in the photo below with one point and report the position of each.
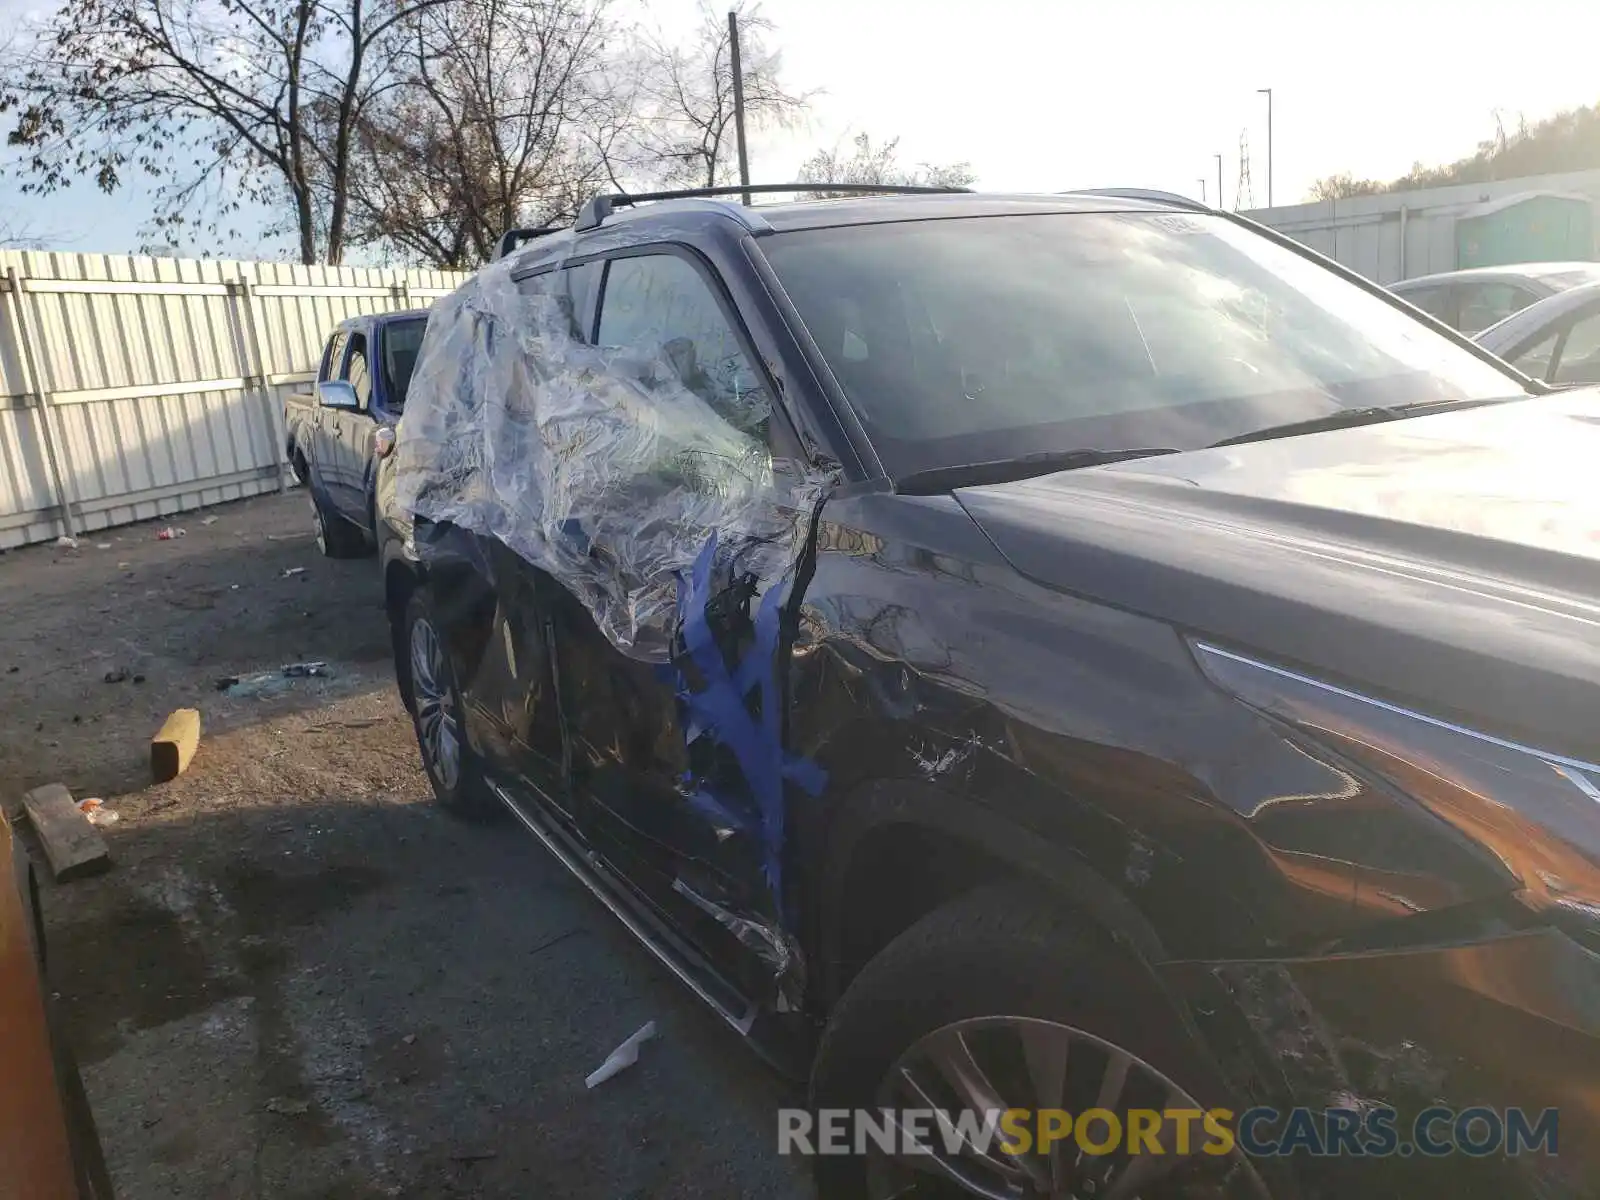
(336, 393)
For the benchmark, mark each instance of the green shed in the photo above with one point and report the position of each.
(1529, 227)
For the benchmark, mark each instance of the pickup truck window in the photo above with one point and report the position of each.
(333, 356)
(401, 341)
(355, 369)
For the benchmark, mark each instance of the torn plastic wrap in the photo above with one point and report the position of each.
(602, 466)
(643, 482)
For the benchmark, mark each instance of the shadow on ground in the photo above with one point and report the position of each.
(358, 995)
(300, 979)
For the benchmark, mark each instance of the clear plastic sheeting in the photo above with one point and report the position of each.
(611, 468)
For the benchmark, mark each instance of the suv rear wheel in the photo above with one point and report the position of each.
(437, 715)
(1000, 1000)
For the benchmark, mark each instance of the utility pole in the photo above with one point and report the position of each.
(738, 104)
(1267, 92)
(1244, 197)
(1218, 157)
(1202, 182)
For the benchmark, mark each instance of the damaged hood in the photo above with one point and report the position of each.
(1450, 561)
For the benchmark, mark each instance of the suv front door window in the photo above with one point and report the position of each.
(661, 306)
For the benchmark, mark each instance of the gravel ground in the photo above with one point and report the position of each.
(300, 979)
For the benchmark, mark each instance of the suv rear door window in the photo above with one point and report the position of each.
(573, 289)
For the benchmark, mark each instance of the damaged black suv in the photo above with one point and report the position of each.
(1036, 655)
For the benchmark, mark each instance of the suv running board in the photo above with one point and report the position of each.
(673, 954)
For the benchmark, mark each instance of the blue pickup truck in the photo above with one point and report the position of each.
(336, 432)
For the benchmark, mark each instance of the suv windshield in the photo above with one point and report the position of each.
(978, 339)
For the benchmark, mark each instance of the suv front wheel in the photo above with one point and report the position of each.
(999, 1001)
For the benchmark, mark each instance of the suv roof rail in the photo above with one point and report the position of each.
(1151, 194)
(600, 207)
(512, 238)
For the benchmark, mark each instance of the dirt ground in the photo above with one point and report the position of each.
(300, 979)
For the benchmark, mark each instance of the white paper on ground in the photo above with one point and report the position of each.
(623, 1057)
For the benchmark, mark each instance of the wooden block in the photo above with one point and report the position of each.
(73, 847)
(174, 746)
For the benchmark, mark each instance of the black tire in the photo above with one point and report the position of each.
(1003, 951)
(336, 537)
(467, 794)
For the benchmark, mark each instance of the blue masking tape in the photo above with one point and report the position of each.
(719, 710)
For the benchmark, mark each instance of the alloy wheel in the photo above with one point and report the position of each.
(318, 522)
(434, 699)
(991, 1064)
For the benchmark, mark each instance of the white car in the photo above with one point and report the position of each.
(1556, 340)
(1472, 300)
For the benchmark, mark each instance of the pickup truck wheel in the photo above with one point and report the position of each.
(1001, 1000)
(437, 714)
(336, 537)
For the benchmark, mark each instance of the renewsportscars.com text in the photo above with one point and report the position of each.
(1262, 1132)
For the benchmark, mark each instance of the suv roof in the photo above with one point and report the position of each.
(850, 210)
(866, 210)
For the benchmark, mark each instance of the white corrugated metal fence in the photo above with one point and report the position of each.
(134, 387)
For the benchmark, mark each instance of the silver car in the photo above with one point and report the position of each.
(1556, 340)
(1475, 299)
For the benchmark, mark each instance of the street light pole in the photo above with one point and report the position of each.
(1220, 204)
(1267, 92)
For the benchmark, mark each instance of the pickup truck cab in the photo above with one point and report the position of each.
(332, 432)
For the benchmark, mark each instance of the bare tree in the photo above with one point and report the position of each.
(504, 115)
(224, 102)
(870, 164)
(1567, 141)
(26, 235)
(1342, 186)
(685, 133)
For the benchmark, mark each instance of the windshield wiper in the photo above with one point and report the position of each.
(1343, 418)
(936, 480)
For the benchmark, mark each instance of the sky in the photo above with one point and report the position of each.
(1045, 96)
